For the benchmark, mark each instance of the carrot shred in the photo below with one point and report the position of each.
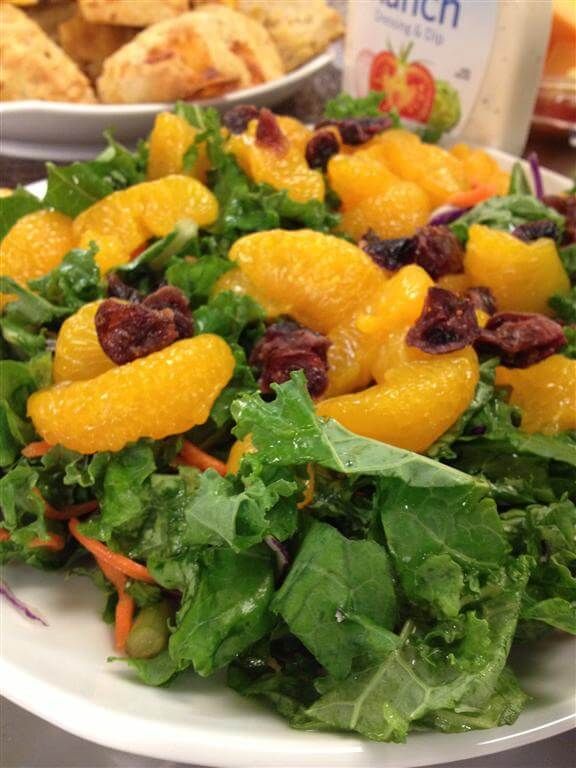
(125, 606)
(308, 495)
(124, 616)
(473, 196)
(72, 510)
(196, 457)
(101, 552)
(36, 449)
(54, 542)
(66, 513)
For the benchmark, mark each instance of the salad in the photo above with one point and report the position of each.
(301, 403)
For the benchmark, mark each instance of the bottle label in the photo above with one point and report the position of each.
(428, 56)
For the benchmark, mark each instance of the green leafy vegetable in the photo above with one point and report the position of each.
(506, 213)
(14, 207)
(519, 184)
(73, 188)
(74, 282)
(346, 106)
(229, 611)
(564, 306)
(332, 581)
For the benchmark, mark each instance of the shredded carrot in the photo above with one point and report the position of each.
(66, 513)
(196, 457)
(124, 616)
(473, 196)
(36, 449)
(125, 606)
(308, 496)
(54, 542)
(72, 510)
(101, 552)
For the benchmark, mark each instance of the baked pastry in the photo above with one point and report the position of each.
(33, 67)
(201, 54)
(300, 28)
(89, 44)
(131, 13)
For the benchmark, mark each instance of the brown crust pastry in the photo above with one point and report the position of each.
(200, 54)
(300, 28)
(90, 44)
(33, 67)
(131, 13)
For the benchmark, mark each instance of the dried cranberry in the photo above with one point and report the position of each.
(447, 323)
(482, 298)
(282, 363)
(170, 297)
(533, 230)
(566, 205)
(268, 132)
(388, 254)
(286, 347)
(320, 149)
(118, 289)
(354, 131)
(438, 251)
(237, 118)
(129, 331)
(520, 339)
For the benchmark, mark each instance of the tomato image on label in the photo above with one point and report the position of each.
(409, 86)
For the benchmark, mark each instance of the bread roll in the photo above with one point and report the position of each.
(33, 67)
(203, 53)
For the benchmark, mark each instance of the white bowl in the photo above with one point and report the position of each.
(50, 130)
(60, 673)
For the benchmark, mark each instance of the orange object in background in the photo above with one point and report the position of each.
(556, 105)
(561, 56)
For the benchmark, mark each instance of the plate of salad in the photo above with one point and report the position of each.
(288, 444)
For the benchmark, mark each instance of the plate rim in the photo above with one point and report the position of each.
(54, 704)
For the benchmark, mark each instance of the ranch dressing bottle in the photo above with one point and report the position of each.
(470, 68)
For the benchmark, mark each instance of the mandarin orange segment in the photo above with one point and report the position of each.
(435, 170)
(350, 357)
(126, 219)
(393, 352)
(358, 176)
(169, 140)
(397, 212)
(318, 279)
(399, 304)
(480, 168)
(238, 450)
(78, 354)
(36, 244)
(522, 276)
(283, 168)
(236, 281)
(164, 394)
(415, 404)
(456, 283)
(545, 392)
(166, 201)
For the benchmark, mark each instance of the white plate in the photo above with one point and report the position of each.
(48, 130)
(60, 673)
